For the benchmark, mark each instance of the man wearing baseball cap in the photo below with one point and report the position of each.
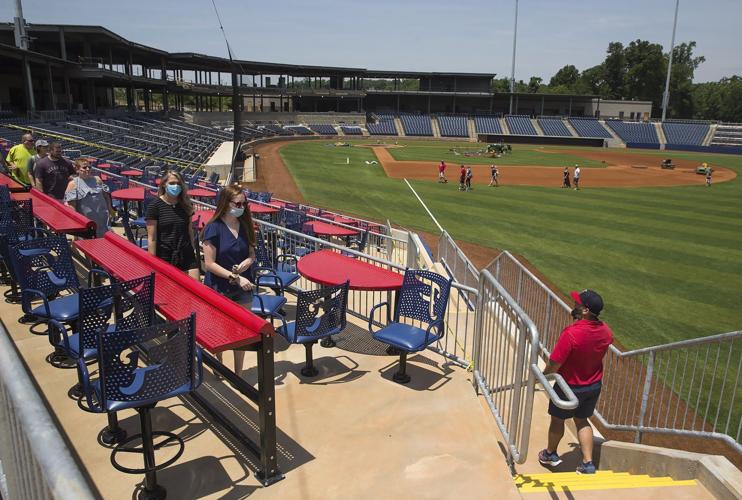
(578, 358)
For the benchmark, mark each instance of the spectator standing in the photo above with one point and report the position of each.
(89, 196)
(578, 357)
(462, 178)
(493, 176)
(442, 172)
(576, 177)
(18, 157)
(52, 174)
(565, 178)
(169, 227)
(42, 150)
(469, 176)
(229, 252)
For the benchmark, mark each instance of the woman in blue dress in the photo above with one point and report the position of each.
(229, 252)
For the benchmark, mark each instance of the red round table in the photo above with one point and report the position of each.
(202, 216)
(343, 220)
(278, 203)
(325, 229)
(132, 173)
(257, 208)
(201, 193)
(330, 268)
(129, 194)
(103, 166)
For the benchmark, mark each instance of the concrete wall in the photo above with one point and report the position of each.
(614, 109)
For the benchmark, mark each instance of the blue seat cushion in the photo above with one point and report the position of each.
(116, 405)
(289, 333)
(405, 337)
(287, 278)
(271, 304)
(63, 309)
(74, 341)
(139, 222)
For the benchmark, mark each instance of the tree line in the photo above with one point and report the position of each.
(637, 71)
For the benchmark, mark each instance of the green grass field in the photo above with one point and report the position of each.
(668, 261)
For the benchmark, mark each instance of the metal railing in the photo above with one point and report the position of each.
(506, 365)
(691, 387)
(456, 262)
(35, 462)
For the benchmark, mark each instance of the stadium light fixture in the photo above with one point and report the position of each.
(512, 68)
(666, 95)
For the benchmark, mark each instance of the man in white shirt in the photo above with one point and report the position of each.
(576, 177)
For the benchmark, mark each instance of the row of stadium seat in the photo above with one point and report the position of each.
(634, 132)
(419, 125)
(589, 127)
(691, 134)
(453, 126)
(520, 125)
(554, 126)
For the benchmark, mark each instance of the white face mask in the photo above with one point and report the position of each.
(236, 212)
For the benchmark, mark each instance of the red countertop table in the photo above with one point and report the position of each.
(278, 203)
(330, 268)
(325, 229)
(201, 193)
(56, 215)
(13, 185)
(132, 173)
(129, 194)
(257, 208)
(103, 166)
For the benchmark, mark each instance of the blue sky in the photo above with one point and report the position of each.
(432, 35)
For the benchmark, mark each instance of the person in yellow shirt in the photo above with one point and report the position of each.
(18, 157)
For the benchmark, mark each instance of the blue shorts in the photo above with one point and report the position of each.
(587, 395)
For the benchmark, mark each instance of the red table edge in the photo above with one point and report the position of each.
(329, 283)
(85, 223)
(211, 297)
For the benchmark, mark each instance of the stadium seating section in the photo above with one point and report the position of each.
(685, 133)
(351, 130)
(382, 128)
(417, 125)
(453, 126)
(589, 127)
(520, 125)
(323, 128)
(727, 135)
(487, 125)
(298, 129)
(633, 132)
(554, 126)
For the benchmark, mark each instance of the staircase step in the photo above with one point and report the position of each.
(602, 480)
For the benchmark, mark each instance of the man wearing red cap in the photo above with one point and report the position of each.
(578, 358)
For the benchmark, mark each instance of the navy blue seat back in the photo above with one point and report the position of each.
(172, 368)
(96, 309)
(320, 313)
(4, 196)
(262, 256)
(51, 272)
(423, 297)
(135, 303)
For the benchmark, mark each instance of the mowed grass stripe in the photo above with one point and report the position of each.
(667, 260)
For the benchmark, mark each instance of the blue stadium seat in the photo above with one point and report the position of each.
(417, 125)
(520, 125)
(453, 126)
(589, 127)
(634, 132)
(691, 134)
(554, 126)
(487, 125)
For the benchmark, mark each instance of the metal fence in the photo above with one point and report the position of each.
(456, 262)
(691, 387)
(35, 462)
(506, 365)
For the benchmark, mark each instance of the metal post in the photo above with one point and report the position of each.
(666, 95)
(237, 118)
(645, 397)
(512, 69)
(267, 413)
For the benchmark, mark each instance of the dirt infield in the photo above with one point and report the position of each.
(621, 170)
(272, 174)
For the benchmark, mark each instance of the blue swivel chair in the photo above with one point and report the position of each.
(174, 368)
(423, 298)
(46, 274)
(284, 270)
(319, 314)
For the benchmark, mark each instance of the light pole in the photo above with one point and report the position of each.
(666, 95)
(512, 68)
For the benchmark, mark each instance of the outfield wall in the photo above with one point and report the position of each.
(541, 139)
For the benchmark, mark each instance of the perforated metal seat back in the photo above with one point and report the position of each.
(423, 297)
(322, 312)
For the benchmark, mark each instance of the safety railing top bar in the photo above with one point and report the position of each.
(34, 457)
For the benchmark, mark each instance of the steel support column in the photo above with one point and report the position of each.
(52, 97)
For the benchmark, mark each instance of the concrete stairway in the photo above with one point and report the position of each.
(603, 480)
(710, 135)
(399, 127)
(435, 126)
(536, 126)
(570, 128)
(504, 126)
(472, 128)
(660, 134)
(339, 131)
(616, 141)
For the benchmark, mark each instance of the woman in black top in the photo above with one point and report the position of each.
(169, 227)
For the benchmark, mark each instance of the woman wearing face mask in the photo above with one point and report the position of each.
(87, 194)
(169, 227)
(229, 251)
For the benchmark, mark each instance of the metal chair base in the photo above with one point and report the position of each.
(401, 376)
(122, 448)
(309, 370)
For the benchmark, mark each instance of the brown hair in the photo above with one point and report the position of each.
(183, 199)
(245, 219)
(80, 162)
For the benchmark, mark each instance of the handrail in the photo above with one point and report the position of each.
(39, 463)
(570, 403)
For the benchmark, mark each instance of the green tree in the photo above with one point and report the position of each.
(684, 65)
(566, 77)
(614, 71)
(645, 75)
(534, 84)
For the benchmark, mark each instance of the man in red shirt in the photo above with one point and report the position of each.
(578, 358)
(442, 172)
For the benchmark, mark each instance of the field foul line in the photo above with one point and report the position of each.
(424, 205)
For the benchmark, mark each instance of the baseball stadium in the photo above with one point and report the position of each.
(503, 289)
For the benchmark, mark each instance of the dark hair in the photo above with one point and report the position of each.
(183, 199)
(245, 219)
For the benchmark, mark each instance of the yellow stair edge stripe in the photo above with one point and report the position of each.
(543, 484)
(583, 487)
(552, 475)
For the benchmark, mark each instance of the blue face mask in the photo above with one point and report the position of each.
(236, 212)
(173, 189)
